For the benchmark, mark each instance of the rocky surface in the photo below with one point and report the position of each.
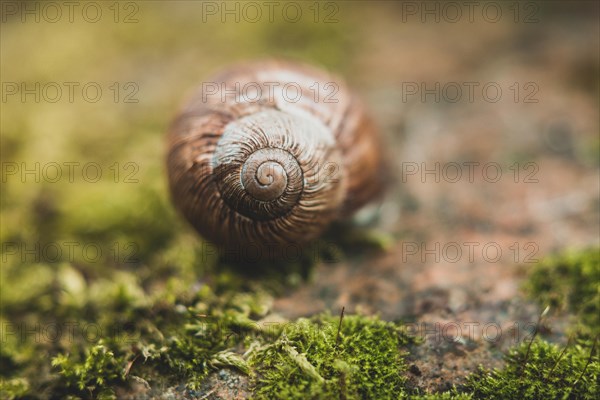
(482, 190)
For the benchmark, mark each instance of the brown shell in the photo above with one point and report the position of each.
(266, 168)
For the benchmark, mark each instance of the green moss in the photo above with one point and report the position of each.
(13, 388)
(541, 371)
(569, 282)
(94, 373)
(310, 360)
(444, 396)
(300, 359)
(165, 327)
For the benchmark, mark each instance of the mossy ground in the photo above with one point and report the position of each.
(313, 360)
(541, 370)
(569, 282)
(106, 293)
(94, 337)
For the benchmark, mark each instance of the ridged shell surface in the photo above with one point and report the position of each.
(269, 153)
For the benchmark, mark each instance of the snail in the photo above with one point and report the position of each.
(269, 153)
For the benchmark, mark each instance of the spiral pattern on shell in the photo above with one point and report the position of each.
(270, 171)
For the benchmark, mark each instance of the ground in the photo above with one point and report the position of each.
(490, 215)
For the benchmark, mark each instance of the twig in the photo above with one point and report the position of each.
(560, 356)
(587, 363)
(535, 332)
(584, 368)
(337, 337)
(208, 394)
(130, 364)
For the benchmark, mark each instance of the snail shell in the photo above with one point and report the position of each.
(270, 168)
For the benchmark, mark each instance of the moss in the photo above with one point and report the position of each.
(569, 282)
(94, 373)
(541, 371)
(201, 329)
(290, 360)
(538, 369)
(165, 327)
(443, 396)
(310, 360)
(13, 388)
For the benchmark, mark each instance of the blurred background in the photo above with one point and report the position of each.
(88, 93)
